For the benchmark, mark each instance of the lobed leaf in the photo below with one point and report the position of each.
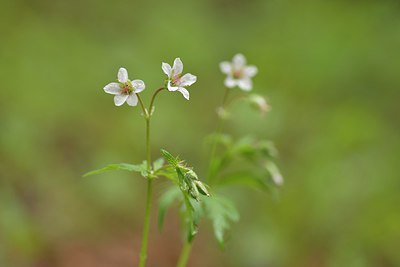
(222, 212)
(166, 200)
(121, 166)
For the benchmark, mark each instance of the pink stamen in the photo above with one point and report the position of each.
(176, 79)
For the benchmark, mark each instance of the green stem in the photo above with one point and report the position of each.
(146, 228)
(183, 258)
(148, 154)
(154, 97)
(220, 127)
(145, 112)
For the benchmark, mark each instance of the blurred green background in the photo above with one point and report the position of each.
(329, 68)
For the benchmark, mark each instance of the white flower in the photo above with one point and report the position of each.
(239, 74)
(177, 82)
(125, 89)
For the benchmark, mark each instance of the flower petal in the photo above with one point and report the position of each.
(171, 88)
(122, 75)
(184, 92)
(239, 61)
(226, 67)
(132, 100)
(178, 66)
(250, 71)
(167, 69)
(112, 88)
(230, 82)
(245, 84)
(138, 85)
(120, 99)
(187, 80)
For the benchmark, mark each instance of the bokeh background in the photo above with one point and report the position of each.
(329, 68)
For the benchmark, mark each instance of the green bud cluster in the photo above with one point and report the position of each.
(187, 178)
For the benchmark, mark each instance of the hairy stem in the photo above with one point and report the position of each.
(183, 258)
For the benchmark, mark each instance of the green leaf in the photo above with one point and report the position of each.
(222, 212)
(174, 161)
(191, 216)
(245, 147)
(168, 173)
(267, 148)
(166, 200)
(158, 164)
(223, 139)
(121, 166)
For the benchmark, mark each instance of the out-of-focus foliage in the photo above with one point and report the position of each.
(330, 70)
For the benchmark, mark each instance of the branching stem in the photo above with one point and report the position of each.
(146, 226)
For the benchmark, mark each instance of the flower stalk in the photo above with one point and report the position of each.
(185, 253)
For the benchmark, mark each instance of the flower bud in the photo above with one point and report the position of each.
(191, 175)
(260, 103)
(202, 188)
(194, 192)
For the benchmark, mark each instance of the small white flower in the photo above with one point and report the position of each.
(239, 74)
(177, 82)
(125, 89)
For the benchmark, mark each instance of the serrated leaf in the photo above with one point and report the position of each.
(166, 200)
(222, 212)
(170, 159)
(121, 166)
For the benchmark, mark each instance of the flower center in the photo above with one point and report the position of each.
(176, 79)
(126, 88)
(237, 74)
